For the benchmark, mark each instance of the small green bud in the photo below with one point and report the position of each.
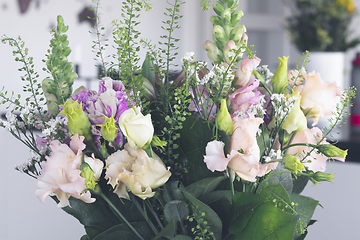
(78, 121)
(212, 50)
(216, 20)
(321, 177)
(88, 174)
(52, 104)
(293, 164)
(280, 79)
(48, 86)
(295, 120)
(218, 8)
(226, 15)
(108, 130)
(331, 151)
(236, 17)
(156, 142)
(219, 35)
(223, 119)
(237, 33)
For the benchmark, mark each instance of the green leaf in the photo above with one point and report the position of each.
(264, 215)
(204, 186)
(305, 207)
(176, 210)
(283, 179)
(125, 232)
(300, 183)
(212, 219)
(85, 237)
(148, 70)
(168, 231)
(195, 135)
(181, 237)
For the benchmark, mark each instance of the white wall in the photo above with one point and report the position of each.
(22, 216)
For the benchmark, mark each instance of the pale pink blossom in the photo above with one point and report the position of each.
(61, 173)
(245, 70)
(215, 158)
(318, 98)
(245, 96)
(315, 161)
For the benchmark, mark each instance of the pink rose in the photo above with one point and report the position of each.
(61, 173)
(318, 98)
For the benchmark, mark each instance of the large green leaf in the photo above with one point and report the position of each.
(204, 186)
(264, 215)
(304, 206)
(283, 179)
(194, 137)
(122, 231)
(168, 231)
(182, 237)
(176, 210)
(209, 215)
(300, 183)
(97, 217)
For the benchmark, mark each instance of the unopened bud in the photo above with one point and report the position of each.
(223, 119)
(109, 130)
(280, 79)
(293, 164)
(332, 151)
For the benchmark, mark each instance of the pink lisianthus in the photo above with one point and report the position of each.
(315, 161)
(132, 169)
(61, 173)
(244, 72)
(244, 97)
(244, 152)
(318, 98)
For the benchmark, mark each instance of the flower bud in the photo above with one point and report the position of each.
(78, 120)
(321, 177)
(223, 119)
(237, 33)
(52, 104)
(331, 151)
(216, 20)
(218, 8)
(293, 164)
(48, 86)
(295, 120)
(226, 15)
(212, 51)
(156, 142)
(236, 17)
(232, 4)
(219, 35)
(280, 79)
(109, 130)
(88, 174)
(229, 51)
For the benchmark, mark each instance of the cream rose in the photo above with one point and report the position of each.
(137, 128)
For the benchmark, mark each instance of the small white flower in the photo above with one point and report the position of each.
(188, 57)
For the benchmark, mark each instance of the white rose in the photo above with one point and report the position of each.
(137, 128)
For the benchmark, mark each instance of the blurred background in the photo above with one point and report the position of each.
(22, 216)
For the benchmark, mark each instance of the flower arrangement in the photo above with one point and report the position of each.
(321, 25)
(220, 152)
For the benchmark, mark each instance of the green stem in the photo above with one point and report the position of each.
(121, 217)
(231, 183)
(143, 213)
(154, 213)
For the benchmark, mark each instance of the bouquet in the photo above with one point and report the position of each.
(321, 25)
(213, 151)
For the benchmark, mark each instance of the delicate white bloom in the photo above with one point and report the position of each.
(11, 118)
(189, 56)
(265, 72)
